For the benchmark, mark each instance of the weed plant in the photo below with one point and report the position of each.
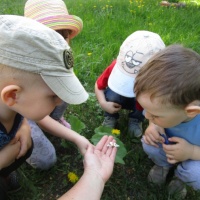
(107, 23)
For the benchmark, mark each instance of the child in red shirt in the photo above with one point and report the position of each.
(114, 87)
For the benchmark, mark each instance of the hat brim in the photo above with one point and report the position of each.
(68, 88)
(60, 22)
(121, 83)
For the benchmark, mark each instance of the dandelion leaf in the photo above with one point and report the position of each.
(76, 124)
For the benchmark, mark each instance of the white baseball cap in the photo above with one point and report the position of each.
(31, 46)
(135, 51)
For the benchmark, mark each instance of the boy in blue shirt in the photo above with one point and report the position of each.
(168, 88)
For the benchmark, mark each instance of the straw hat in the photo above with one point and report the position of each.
(54, 14)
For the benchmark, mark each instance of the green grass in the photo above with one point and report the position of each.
(106, 26)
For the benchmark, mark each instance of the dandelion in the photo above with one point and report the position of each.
(73, 178)
(89, 54)
(115, 131)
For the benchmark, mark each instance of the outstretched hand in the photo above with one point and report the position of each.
(99, 160)
(98, 167)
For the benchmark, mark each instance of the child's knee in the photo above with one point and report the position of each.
(40, 162)
(189, 172)
(150, 150)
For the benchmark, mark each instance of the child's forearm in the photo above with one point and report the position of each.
(55, 128)
(8, 154)
(99, 95)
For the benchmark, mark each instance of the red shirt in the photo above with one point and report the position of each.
(102, 81)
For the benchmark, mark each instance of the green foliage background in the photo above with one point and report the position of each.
(107, 23)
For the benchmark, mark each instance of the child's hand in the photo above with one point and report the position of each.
(9, 153)
(24, 137)
(180, 151)
(83, 144)
(152, 135)
(111, 107)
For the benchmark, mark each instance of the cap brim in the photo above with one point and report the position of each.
(121, 83)
(68, 88)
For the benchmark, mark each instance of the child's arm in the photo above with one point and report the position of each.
(181, 150)
(55, 128)
(8, 154)
(23, 135)
(107, 106)
(152, 134)
(17, 147)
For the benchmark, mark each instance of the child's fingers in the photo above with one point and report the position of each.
(22, 152)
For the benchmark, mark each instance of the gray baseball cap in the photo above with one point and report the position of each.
(31, 46)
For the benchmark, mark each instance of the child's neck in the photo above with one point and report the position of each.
(7, 117)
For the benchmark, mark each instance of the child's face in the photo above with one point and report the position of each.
(37, 101)
(65, 33)
(160, 114)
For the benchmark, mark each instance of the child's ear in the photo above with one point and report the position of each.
(193, 109)
(9, 94)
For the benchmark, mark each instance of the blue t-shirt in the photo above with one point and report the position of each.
(190, 131)
(5, 137)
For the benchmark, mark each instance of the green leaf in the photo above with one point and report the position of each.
(76, 124)
(103, 129)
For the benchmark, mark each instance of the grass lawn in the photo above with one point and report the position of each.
(107, 23)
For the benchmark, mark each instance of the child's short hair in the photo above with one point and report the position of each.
(28, 45)
(172, 74)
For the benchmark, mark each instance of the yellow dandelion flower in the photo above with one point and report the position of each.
(115, 131)
(89, 54)
(73, 178)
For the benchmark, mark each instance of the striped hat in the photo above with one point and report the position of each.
(54, 14)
